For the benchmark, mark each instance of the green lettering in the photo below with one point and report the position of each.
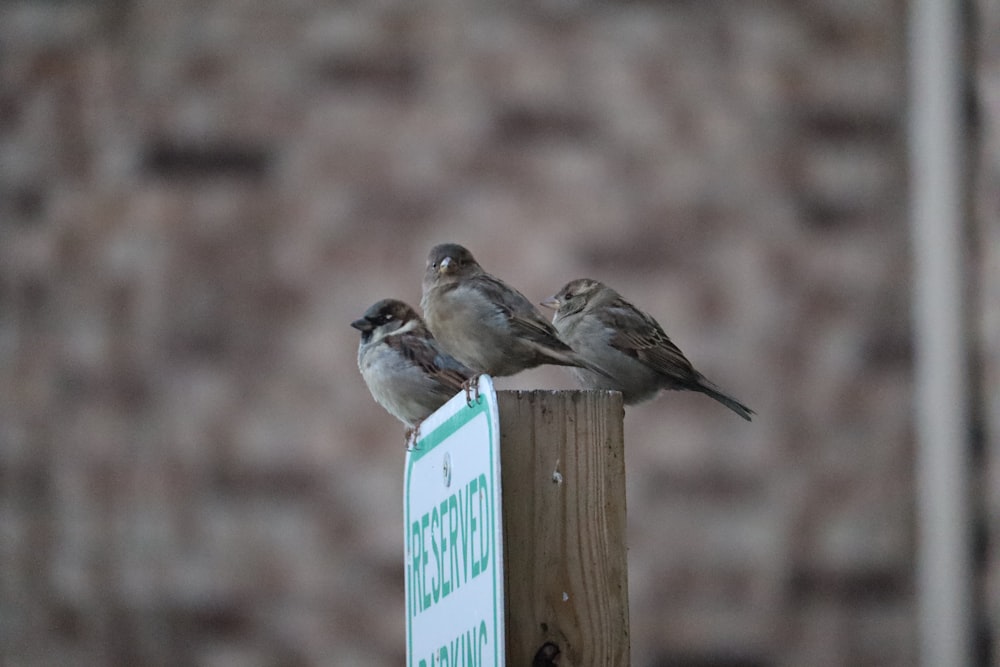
(426, 596)
(436, 576)
(469, 644)
(483, 639)
(453, 541)
(416, 547)
(442, 570)
(484, 536)
(473, 487)
(463, 515)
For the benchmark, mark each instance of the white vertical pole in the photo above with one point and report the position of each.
(937, 210)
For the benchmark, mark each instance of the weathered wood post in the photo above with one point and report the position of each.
(565, 559)
(514, 515)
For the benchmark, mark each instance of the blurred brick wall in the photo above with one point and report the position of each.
(196, 198)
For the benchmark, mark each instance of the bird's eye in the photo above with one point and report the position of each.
(434, 265)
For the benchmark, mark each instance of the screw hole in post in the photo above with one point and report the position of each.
(546, 655)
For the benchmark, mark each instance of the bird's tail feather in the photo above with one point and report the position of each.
(709, 389)
(583, 363)
(570, 358)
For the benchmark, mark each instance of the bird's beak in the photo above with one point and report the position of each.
(446, 265)
(362, 325)
(552, 302)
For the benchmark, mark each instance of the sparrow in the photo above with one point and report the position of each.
(405, 369)
(484, 323)
(611, 332)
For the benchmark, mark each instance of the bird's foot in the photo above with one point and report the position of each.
(471, 386)
(412, 434)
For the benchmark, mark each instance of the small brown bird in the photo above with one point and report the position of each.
(631, 345)
(405, 369)
(483, 322)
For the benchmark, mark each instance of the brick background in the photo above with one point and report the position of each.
(196, 198)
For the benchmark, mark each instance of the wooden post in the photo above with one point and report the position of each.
(565, 561)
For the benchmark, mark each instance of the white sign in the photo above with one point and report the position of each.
(454, 549)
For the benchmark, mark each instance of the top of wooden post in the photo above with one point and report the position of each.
(566, 577)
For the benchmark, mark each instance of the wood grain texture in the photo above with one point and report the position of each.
(565, 558)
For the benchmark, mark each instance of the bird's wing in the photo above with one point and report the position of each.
(640, 336)
(524, 319)
(431, 359)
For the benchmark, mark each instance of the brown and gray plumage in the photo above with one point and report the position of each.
(405, 369)
(628, 343)
(486, 324)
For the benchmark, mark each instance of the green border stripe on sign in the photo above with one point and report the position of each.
(446, 429)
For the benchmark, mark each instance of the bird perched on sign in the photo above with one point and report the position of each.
(405, 369)
(486, 324)
(612, 333)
